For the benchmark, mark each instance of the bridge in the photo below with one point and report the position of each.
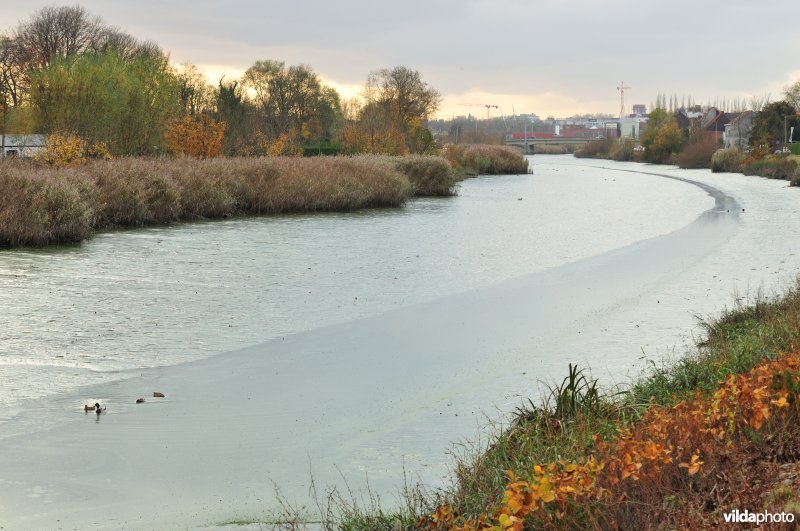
(555, 141)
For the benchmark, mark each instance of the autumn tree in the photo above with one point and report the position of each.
(392, 115)
(195, 136)
(104, 97)
(662, 138)
(196, 93)
(233, 108)
(407, 102)
(56, 35)
(792, 95)
(292, 103)
(12, 76)
(771, 125)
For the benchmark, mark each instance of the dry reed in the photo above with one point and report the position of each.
(40, 205)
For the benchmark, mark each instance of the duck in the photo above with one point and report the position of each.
(90, 408)
(140, 400)
(98, 409)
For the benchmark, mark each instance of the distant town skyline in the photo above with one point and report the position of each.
(546, 57)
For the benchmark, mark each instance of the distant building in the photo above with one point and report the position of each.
(532, 118)
(21, 145)
(737, 130)
(582, 131)
(640, 110)
(632, 127)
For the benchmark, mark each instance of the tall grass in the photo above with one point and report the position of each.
(52, 206)
(486, 159)
(564, 425)
(597, 149)
(40, 205)
(431, 176)
(574, 415)
(608, 148)
(780, 167)
(729, 160)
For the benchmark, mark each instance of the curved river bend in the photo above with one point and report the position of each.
(373, 340)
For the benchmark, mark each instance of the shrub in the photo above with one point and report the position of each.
(728, 160)
(795, 178)
(667, 140)
(195, 136)
(486, 159)
(596, 149)
(431, 176)
(624, 152)
(551, 149)
(697, 154)
(771, 167)
(64, 150)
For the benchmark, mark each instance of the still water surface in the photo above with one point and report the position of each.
(161, 296)
(374, 340)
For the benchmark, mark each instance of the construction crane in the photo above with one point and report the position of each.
(488, 106)
(622, 88)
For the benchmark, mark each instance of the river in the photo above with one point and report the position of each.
(351, 346)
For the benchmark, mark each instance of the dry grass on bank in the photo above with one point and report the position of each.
(733, 160)
(40, 205)
(486, 159)
(686, 444)
(692, 440)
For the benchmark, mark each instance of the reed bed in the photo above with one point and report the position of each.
(431, 176)
(41, 205)
(486, 159)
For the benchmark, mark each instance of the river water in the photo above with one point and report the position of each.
(367, 343)
(162, 296)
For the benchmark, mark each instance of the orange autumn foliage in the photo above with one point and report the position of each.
(667, 447)
(64, 150)
(195, 136)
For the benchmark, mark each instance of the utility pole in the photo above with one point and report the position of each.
(622, 88)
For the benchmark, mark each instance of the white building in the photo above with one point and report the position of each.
(631, 127)
(21, 145)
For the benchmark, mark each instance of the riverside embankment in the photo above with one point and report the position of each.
(394, 375)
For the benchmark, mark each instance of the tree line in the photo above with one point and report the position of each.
(772, 121)
(64, 71)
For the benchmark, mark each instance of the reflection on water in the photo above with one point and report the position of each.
(160, 296)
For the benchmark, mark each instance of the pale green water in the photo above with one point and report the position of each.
(414, 329)
(161, 296)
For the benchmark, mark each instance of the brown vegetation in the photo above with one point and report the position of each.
(42, 205)
(486, 159)
(684, 446)
(781, 166)
(697, 154)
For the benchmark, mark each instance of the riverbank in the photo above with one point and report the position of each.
(41, 205)
(685, 445)
(703, 155)
(369, 395)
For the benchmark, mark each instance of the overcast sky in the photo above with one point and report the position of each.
(549, 57)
